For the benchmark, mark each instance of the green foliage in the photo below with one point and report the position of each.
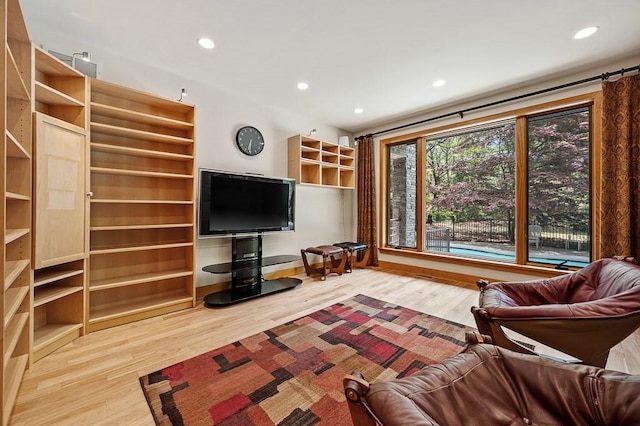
(559, 169)
(471, 176)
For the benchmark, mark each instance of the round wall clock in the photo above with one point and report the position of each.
(249, 140)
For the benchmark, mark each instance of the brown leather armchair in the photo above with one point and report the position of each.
(583, 314)
(490, 385)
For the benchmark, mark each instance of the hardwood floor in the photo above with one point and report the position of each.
(94, 380)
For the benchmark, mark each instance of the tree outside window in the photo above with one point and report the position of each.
(471, 196)
(470, 192)
(558, 184)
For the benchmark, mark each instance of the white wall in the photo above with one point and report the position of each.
(475, 269)
(323, 215)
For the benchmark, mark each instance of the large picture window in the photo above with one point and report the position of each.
(515, 189)
(558, 187)
(470, 192)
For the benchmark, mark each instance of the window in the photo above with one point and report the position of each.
(558, 187)
(470, 192)
(402, 195)
(517, 188)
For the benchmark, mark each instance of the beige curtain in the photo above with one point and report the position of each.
(367, 230)
(621, 167)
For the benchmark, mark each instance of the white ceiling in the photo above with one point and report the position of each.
(380, 55)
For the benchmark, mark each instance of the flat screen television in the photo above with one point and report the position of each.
(231, 203)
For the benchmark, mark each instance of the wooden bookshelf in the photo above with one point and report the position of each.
(58, 306)
(142, 221)
(60, 91)
(17, 198)
(59, 217)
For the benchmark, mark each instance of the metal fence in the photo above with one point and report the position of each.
(437, 238)
(500, 231)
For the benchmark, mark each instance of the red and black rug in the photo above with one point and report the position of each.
(292, 374)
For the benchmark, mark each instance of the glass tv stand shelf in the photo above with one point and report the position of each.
(246, 273)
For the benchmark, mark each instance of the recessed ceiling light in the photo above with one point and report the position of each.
(585, 32)
(207, 43)
(302, 85)
(438, 83)
(358, 110)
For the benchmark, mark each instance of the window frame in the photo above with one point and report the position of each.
(528, 118)
(419, 198)
(520, 115)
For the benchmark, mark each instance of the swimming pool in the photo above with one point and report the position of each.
(503, 256)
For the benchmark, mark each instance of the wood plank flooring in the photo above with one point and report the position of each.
(94, 380)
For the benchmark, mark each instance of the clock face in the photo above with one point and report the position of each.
(249, 140)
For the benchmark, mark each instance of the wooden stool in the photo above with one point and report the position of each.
(353, 249)
(334, 265)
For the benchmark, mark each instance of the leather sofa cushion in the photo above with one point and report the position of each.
(608, 287)
(490, 385)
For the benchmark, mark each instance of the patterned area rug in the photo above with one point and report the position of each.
(292, 374)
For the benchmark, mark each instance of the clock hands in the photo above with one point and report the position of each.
(244, 140)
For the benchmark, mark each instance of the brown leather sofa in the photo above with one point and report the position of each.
(489, 385)
(583, 314)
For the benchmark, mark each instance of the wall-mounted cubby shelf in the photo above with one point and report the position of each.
(315, 162)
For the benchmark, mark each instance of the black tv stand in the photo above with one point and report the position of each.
(246, 273)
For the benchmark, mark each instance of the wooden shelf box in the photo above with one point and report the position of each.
(330, 175)
(315, 162)
(58, 305)
(60, 91)
(114, 306)
(310, 173)
(347, 178)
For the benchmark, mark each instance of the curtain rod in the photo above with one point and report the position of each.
(603, 77)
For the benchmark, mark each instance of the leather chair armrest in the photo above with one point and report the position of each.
(355, 390)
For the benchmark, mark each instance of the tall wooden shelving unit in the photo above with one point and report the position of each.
(60, 204)
(16, 194)
(141, 231)
(142, 221)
